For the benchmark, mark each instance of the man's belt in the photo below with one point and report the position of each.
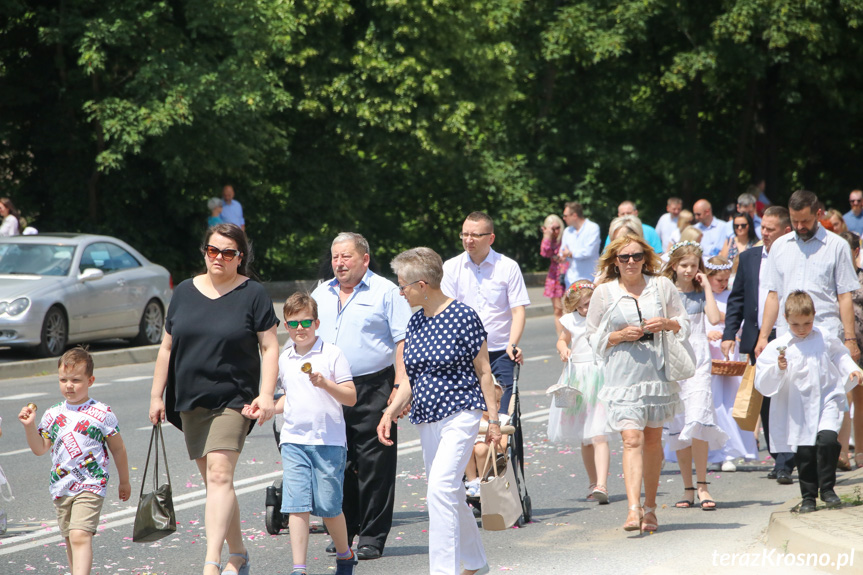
(376, 375)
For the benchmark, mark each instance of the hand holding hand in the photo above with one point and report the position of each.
(250, 412)
(264, 407)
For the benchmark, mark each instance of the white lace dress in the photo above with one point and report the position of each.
(587, 420)
(634, 390)
(698, 420)
(724, 387)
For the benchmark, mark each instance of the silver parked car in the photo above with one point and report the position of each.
(58, 289)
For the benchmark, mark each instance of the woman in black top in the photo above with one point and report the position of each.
(210, 364)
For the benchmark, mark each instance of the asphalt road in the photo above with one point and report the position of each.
(568, 535)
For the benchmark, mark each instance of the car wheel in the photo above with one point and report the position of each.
(151, 326)
(55, 334)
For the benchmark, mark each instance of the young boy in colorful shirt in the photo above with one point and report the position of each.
(317, 381)
(807, 373)
(76, 432)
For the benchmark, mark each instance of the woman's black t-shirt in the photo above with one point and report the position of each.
(215, 361)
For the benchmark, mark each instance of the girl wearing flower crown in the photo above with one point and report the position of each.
(741, 444)
(586, 420)
(694, 432)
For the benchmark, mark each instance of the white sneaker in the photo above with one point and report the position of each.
(472, 488)
(729, 466)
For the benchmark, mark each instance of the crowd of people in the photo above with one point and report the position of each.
(639, 324)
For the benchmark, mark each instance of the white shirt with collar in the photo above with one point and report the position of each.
(820, 266)
(779, 326)
(583, 245)
(491, 288)
(312, 415)
(714, 237)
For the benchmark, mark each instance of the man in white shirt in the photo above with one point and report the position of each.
(817, 262)
(579, 244)
(667, 224)
(493, 286)
(715, 232)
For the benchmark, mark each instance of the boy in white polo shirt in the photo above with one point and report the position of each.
(317, 382)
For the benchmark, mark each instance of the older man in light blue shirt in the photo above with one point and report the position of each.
(232, 211)
(363, 315)
(715, 232)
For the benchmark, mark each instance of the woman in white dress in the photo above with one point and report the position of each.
(741, 444)
(692, 434)
(9, 225)
(623, 323)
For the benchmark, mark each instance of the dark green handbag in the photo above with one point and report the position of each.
(155, 516)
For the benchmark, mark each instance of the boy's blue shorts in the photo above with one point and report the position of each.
(313, 478)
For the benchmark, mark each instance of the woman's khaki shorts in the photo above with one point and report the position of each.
(79, 511)
(209, 430)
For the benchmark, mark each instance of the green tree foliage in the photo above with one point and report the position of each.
(397, 117)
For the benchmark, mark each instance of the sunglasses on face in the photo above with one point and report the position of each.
(227, 255)
(306, 323)
(624, 258)
(855, 201)
(740, 226)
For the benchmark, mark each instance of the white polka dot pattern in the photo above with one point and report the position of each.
(439, 353)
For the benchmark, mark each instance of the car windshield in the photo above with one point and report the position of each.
(35, 259)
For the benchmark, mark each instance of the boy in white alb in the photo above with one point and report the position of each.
(807, 372)
(317, 381)
(76, 431)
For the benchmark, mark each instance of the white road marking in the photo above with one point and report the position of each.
(127, 516)
(15, 452)
(135, 378)
(23, 396)
(538, 358)
(101, 384)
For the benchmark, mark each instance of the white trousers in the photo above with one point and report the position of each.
(453, 534)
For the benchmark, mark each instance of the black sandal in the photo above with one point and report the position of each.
(685, 503)
(703, 501)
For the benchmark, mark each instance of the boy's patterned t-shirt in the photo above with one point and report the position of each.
(78, 434)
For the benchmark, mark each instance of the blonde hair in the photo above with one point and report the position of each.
(629, 223)
(691, 234)
(576, 294)
(684, 219)
(834, 212)
(607, 266)
(799, 303)
(552, 219)
(678, 252)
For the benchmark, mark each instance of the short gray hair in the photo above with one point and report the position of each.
(214, 203)
(358, 240)
(630, 222)
(418, 264)
(746, 200)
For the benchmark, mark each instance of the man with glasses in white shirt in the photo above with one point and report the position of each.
(491, 284)
(580, 244)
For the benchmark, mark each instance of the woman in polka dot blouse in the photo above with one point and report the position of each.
(446, 359)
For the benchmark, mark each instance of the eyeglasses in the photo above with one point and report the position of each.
(227, 255)
(624, 258)
(306, 323)
(402, 288)
(740, 226)
(465, 235)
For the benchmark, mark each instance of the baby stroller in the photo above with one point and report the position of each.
(513, 455)
(274, 519)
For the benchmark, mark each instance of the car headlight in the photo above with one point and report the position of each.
(16, 307)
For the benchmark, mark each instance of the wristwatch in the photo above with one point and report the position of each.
(494, 422)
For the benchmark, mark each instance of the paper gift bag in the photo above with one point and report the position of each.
(747, 404)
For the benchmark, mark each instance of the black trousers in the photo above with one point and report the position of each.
(816, 464)
(781, 461)
(370, 472)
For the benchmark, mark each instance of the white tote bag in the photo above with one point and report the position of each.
(498, 495)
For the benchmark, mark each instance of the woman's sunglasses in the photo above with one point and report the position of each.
(741, 226)
(624, 258)
(306, 323)
(213, 252)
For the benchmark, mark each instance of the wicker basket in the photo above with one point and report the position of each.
(563, 395)
(730, 368)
